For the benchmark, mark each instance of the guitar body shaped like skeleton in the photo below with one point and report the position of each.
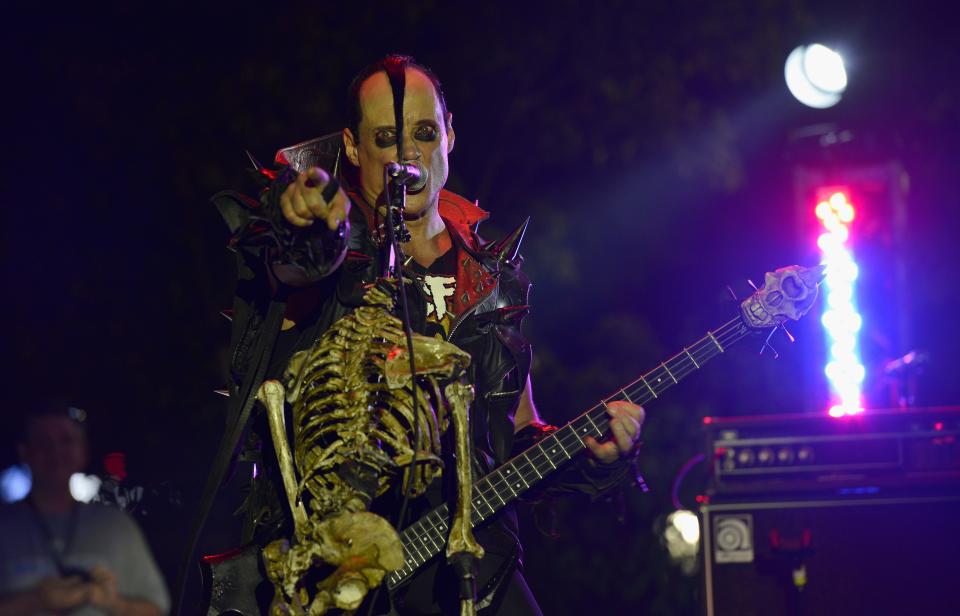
(365, 551)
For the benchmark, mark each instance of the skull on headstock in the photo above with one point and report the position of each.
(787, 293)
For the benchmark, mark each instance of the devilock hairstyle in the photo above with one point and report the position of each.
(387, 64)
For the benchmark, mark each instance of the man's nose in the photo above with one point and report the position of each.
(411, 151)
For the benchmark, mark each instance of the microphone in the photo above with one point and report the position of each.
(407, 174)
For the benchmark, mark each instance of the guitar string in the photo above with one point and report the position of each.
(714, 341)
(563, 435)
(524, 463)
(574, 443)
(572, 432)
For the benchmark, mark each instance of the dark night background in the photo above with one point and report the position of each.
(650, 143)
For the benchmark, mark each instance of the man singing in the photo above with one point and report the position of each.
(324, 251)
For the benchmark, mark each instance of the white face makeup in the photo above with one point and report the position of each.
(428, 137)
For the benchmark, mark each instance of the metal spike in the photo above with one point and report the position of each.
(507, 249)
(223, 392)
(253, 161)
(733, 295)
(227, 314)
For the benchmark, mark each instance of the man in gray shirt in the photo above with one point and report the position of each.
(64, 557)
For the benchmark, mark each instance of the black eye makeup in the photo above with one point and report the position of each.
(385, 138)
(425, 132)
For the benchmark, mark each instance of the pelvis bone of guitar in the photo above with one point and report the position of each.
(353, 437)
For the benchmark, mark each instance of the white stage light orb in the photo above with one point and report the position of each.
(815, 75)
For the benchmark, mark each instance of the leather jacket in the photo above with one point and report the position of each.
(490, 301)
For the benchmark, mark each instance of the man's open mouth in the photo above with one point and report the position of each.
(419, 184)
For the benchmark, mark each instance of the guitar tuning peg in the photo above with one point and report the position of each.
(750, 282)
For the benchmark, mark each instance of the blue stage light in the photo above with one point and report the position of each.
(841, 321)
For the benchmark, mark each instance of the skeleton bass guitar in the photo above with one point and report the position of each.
(787, 294)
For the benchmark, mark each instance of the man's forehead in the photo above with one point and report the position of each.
(419, 98)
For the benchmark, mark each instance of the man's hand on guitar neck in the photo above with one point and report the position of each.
(625, 422)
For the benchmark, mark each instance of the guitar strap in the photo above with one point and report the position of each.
(239, 415)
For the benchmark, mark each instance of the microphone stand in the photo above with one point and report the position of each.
(391, 268)
(395, 189)
(395, 192)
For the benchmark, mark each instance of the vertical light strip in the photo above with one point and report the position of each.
(841, 321)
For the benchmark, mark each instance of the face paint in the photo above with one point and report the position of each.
(397, 74)
(426, 142)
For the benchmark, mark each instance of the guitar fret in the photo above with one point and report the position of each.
(520, 463)
(648, 386)
(538, 451)
(436, 530)
(624, 392)
(665, 367)
(596, 430)
(520, 483)
(487, 489)
(554, 449)
(534, 467)
(508, 472)
(560, 441)
(433, 544)
(547, 458)
(584, 424)
(427, 549)
(691, 358)
(571, 441)
(413, 544)
(481, 499)
(710, 335)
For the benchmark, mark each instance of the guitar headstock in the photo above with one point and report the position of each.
(787, 293)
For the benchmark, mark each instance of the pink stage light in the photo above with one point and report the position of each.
(840, 320)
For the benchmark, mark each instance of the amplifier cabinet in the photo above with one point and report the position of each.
(856, 555)
(813, 452)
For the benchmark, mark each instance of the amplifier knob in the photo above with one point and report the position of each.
(805, 454)
(745, 457)
(765, 456)
(785, 455)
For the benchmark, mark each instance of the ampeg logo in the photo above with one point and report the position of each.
(733, 538)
